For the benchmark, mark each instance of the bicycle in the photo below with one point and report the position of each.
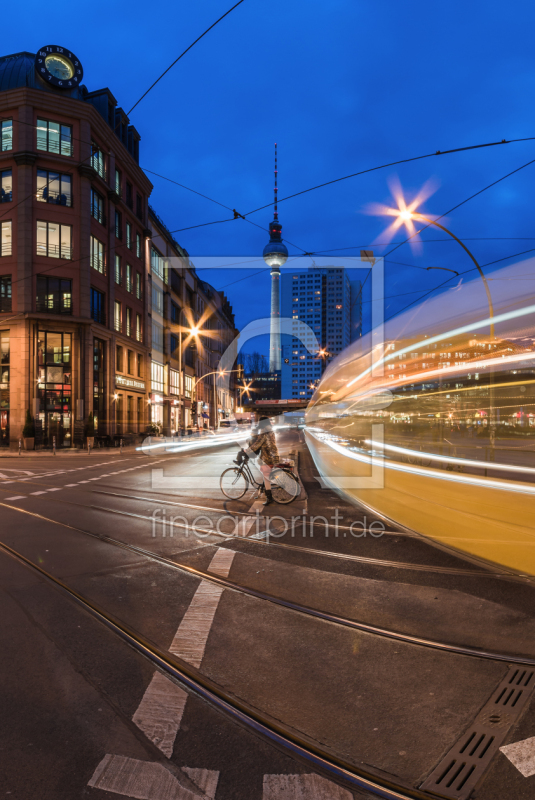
(235, 481)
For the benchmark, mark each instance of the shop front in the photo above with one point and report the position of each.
(129, 404)
(4, 389)
(54, 387)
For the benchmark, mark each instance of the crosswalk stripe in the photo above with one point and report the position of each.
(160, 712)
(190, 639)
(222, 562)
(144, 780)
(522, 755)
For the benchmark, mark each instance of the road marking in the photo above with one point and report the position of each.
(160, 712)
(146, 781)
(17, 497)
(302, 787)
(222, 561)
(522, 756)
(37, 492)
(68, 485)
(57, 489)
(192, 634)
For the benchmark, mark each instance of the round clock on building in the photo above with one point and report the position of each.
(59, 66)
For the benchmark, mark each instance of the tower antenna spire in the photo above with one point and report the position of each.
(276, 213)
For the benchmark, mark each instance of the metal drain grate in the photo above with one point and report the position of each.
(465, 763)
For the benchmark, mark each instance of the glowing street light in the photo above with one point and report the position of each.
(406, 215)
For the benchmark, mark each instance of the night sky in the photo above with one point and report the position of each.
(341, 87)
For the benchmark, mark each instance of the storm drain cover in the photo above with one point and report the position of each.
(462, 767)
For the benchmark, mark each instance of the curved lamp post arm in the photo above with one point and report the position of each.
(465, 248)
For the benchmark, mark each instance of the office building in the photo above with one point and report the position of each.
(324, 299)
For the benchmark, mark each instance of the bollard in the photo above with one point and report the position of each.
(121, 447)
(20, 445)
(54, 445)
(89, 448)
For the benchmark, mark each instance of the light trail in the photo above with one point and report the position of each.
(471, 480)
(449, 334)
(451, 459)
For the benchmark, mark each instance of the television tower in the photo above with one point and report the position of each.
(275, 255)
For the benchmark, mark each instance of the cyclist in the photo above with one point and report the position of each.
(263, 444)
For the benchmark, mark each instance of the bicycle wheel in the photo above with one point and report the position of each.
(284, 485)
(233, 483)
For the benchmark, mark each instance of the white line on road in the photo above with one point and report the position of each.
(190, 639)
(302, 787)
(522, 755)
(160, 712)
(222, 562)
(37, 492)
(17, 497)
(147, 781)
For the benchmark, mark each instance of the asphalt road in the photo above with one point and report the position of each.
(86, 715)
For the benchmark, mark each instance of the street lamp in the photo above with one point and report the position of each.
(220, 373)
(405, 215)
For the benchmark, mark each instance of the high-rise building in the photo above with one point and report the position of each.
(326, 300)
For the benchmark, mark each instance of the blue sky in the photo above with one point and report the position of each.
(340, 87)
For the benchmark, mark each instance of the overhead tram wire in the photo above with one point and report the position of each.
(373, 169)
(183, 54)
(393, 164)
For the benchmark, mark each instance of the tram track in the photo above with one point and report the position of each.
(410, 566)
(286, 739)
(290, 605)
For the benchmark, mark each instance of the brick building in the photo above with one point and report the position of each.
(73, 286)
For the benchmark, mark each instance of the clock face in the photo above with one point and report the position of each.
(59, 66)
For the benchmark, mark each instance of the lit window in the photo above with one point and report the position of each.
(157, 377)
(97, 205)
(98, 160)
(6, 246)
(129, 280)
(118, 271)
(6, 186)
(139, 286)
(54, 240)
(7, 134)
(129, 321)
(54, 295)
(117, 316)
(54, 137)
(118, 183)
(139, 332)
(97, 255)
(129, 240)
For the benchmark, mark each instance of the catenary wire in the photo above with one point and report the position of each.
(183, 54)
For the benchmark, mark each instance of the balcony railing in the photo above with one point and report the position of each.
(48, 196)
(98, 214)
(98, 263)
(54, 250)
(118, 325)
(53, 307)
(64, 148)
(139, 336)
(98, 315)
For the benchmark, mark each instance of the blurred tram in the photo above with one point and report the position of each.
(434, 427)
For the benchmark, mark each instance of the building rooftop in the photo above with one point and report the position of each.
(18, 70)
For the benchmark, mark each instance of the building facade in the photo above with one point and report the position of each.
(184, 391)
(326, 300)
(73, 298)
